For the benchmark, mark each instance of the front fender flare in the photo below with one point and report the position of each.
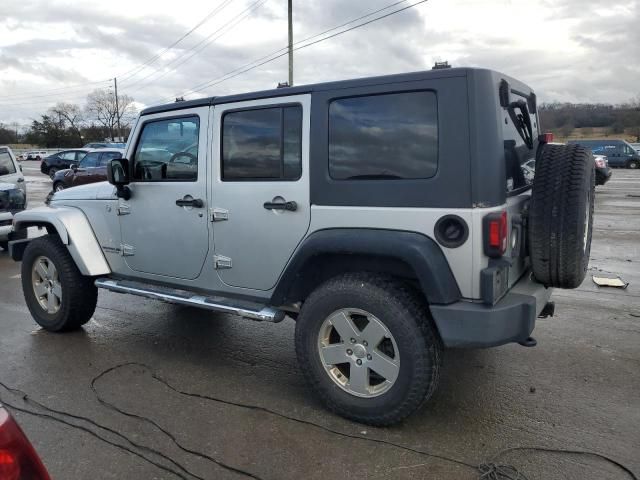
(74, 230)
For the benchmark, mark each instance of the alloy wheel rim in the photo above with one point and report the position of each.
(46, 285)
(358, 352)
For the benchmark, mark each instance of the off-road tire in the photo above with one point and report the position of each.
(79, 294)
(405, 314)
(561, 209)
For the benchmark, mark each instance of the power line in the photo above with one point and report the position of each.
(286, 49)
(54, 91)
(126, 75)
(158, 54)
(200, 45)
(272, 58)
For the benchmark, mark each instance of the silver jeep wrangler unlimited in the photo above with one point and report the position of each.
(391, 217)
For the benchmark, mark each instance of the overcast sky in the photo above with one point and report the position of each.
(50, 50)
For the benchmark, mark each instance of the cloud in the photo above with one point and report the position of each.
(567, 50)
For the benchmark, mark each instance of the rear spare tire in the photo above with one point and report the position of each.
(561, 215)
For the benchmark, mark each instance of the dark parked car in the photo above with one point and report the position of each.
(92, 168)
(603, 172)
(61, 161)
(618, 152)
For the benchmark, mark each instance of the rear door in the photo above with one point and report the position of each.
(520, 134)
(260, 188)
(84, 171)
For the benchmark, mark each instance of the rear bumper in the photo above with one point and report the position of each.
(466, 324)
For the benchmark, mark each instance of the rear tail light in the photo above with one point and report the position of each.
(495, 234)
(601, 163)
(18, 459)
(545, 137)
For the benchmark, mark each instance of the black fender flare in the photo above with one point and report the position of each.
(419, 252)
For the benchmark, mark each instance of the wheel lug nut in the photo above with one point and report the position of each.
(349, 352)
(353, 340)
(365, 343)
(359, 362)
(368, 357)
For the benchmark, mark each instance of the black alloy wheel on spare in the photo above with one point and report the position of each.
(561, 215)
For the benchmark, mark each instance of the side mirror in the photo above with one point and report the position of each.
(118, 175)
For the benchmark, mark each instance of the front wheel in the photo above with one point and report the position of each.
(52, 172)
(634, 164)
(368, 347)
(58, 296)
(58, 186)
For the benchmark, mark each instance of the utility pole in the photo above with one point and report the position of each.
(115, 87)
(290, 43)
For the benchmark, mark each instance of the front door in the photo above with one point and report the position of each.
(164, 224)
(260, 189)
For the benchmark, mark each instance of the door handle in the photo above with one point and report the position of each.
(190, 202)
(288, 206)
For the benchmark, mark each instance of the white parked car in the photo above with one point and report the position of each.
(36, 155)
(13, 195)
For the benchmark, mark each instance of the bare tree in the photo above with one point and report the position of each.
(101, 107)
(69, 116)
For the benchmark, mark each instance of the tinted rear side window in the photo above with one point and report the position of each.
(390, 136)
(262, 144)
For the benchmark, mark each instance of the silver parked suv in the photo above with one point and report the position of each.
(391, 217)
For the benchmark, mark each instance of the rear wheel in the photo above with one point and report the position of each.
(58, 296)
(368, 347)
(561, 215)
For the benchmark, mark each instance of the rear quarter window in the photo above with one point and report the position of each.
(387, 136)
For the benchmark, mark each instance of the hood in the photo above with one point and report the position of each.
(92, 191)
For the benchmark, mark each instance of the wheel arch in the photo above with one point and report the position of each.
(408, 255)
(75, 232)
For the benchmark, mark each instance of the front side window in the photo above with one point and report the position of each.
(6, 163)
(167, 150)
(262, 144)
(390, 136)
(90, 160)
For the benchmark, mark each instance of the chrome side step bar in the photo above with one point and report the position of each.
(253, 311)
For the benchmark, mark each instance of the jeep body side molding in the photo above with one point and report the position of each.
(327, 252)
(74, 231)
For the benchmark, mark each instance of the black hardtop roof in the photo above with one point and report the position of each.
(286, 91)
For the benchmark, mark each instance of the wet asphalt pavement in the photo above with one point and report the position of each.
(197, 395)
